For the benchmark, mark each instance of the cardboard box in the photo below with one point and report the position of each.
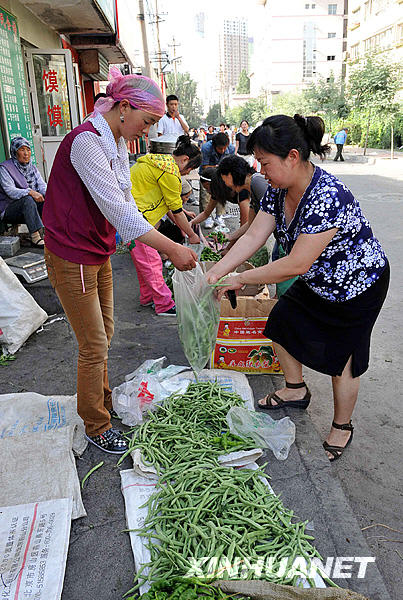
(241, 345)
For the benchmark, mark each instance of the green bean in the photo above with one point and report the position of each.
(90, 473)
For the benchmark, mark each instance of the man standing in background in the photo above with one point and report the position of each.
(172, 122)
(340, 140)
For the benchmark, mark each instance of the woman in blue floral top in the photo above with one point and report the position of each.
(325, 319)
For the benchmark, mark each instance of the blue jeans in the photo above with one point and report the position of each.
(24, 210)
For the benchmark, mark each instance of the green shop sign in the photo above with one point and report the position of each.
(13, 90)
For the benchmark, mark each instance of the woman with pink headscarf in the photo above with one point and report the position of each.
(88, 198)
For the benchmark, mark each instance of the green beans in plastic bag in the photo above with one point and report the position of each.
(198, 315)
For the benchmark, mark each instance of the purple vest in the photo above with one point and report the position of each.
(75, 228)
(19, 181)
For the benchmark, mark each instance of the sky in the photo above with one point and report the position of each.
(198, 56)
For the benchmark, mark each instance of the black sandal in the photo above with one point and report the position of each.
(39, 244)
(302, 404)
(337, 451)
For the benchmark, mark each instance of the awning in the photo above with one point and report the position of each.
(88, 23)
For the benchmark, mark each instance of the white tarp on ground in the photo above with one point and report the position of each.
(136, 491)
(40, 467)
(20, 315)
(138, 484)
(231, 381)
(34, 540)
(31, 413)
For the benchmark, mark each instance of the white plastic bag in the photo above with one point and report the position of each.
(265, 431)
(198, 315)
(144, 389)
(20, 315)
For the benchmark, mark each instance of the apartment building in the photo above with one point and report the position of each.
(296, 42)
(234, 50)
(375, 26)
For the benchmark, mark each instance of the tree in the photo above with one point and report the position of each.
(243, 83)
(289, 103)
(186, 90)
(214, 116)
(372, 90)
(326, 96)
(253, 111)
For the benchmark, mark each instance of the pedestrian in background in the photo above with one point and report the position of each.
(172, 122)
(340, 140)
(242, 138)
(210, 133)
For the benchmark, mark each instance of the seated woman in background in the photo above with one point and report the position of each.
(22, 191)
(156, 189)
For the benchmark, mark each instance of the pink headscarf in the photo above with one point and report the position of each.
(142, 93)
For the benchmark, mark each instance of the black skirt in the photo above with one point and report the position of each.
(322, 334)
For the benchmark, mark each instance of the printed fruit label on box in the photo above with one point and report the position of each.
(234, 328)
(247, 356)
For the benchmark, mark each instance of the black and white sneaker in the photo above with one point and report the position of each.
(171, 312)
(111, 441)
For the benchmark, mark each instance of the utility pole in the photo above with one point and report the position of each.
(175, 60)
(157, 25)
(140, 17)
(222, 90)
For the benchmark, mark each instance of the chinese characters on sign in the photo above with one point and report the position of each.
(52, 93)
(55, 115)
(12, 80)
(50, 79)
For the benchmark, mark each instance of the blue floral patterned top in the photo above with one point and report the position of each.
(354, 258)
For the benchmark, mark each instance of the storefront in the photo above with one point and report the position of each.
(50, 63)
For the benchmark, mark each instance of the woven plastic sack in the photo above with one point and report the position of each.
(20, 315)
(265, 431)
(198, 315)
(263, 590)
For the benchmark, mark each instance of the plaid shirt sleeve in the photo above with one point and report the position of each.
(117, 205)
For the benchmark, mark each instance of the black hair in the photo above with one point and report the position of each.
(220, 139)
(185, 147)
(237, 167)
(171, 97)
(222, 124)
(100, 95)
(280, 133)
(210, 126)
(244, 121)
(228, 126)
(208, 173)
(218, 190)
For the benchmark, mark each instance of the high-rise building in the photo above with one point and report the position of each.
(375, 27)
(233, 50)
(296, 42)
(200, 23)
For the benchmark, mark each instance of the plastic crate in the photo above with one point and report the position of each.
(9, 246)
(232, 210)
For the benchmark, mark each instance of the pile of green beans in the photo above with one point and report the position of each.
(225, 513)
(180, 588)
(209, 254)
(188, 428)
(198, 316)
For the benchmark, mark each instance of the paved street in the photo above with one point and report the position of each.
(371, 471)
(100, 563)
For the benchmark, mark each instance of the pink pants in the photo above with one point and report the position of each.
(149, 272)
